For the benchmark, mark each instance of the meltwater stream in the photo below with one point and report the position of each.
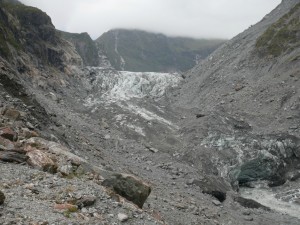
(283, 202)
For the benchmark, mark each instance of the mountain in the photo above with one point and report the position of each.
(136, 50)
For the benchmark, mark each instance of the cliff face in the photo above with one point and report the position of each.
(136, 50)
(85, 47)
(29, 37)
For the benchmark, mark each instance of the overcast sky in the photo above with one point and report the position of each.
(192, 18)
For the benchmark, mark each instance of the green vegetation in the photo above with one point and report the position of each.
(144, 51)
(26, 14)
(7, 34)
(282, 36)
(21, 16)
(85, 47)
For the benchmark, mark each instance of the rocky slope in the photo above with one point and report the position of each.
(68, 134)
(245, 104)
(141, 51)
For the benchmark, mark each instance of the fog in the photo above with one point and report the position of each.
(192, 18)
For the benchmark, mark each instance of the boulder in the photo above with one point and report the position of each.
(8, 133)
(212, 185)
(62, 156)
(129, 187)
(13, 156)
(6, 144)
(42, 160)
(123, 217)
(2, 197)
(86, 201)
(26, 133)
(12, 114)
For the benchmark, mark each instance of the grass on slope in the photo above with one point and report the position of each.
(282, 36)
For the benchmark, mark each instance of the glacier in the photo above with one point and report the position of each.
(130, 92)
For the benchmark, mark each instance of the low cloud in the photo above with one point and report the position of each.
(193, 18)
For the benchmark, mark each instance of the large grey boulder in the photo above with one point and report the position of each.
(129, 187)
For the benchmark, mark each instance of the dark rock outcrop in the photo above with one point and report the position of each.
(13, 156)
(2, 197)
(249, 203)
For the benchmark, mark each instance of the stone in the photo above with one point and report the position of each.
(29, 125)
(216, 202)
(6, 144)
(129, 187)
(13, 156)
(212, 185)
(2, 198)
(104, 124)
(29, 133)
(41, 160)
(238, 87)
(248, 218)
(86, 201)
(57, 149)
(66, 206)
(154, 150)
(122, 217)
(8, 133)
(199, 115)
(12, 114)
(66, 170)
(190, 181)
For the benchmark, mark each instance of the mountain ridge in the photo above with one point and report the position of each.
(137, 50)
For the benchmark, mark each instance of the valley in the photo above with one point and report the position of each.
(84, 141)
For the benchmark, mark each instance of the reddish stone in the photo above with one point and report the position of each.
(66, 206)
(8, 133)
(41, 160)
